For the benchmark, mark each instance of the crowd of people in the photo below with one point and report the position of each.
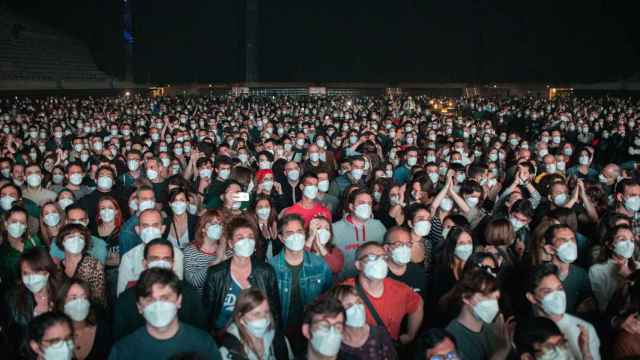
(221, 227)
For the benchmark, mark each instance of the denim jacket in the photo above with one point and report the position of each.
(315, 278)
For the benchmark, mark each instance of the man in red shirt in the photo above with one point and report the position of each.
(391, 299)
(308, 207)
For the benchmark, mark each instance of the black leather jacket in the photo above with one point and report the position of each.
(217, 285)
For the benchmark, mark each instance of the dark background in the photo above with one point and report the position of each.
(354, 40)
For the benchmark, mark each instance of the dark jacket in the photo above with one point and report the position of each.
(236, 347)
(218, 281)
(192, 223)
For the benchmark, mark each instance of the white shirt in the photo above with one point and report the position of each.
(131, 266)
(605, 280)
(569, 327)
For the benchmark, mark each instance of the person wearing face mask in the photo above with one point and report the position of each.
(33, 293)
(159, 298)
(74, 214)
(398, 243)
(92, 330)
(75, 239)
(211, 194)
(155, 171)
(308, 206)
(252, 334)
(51, 336)
(150, 227)
(206, 249)
(16, 239)
(182, 226)
(105, 186)
(419, 221)
(301, 275)
(359, 339)
(402, 173)
(479, 330)
(627, 196)
(540, 338)
(547, 297)
(327, 200)
(314, 162)
(225, 280)
(380, 292)
(133, 172)
(74, 180)
(355, 228)
(142, 199)
(583, 170)
(355, 176)
(560, 244)
(614, 265)
(267, 186)
(51, 220)
(291, 191)
(319, 241)
(323, 327)
(34, 190)
(158, 253)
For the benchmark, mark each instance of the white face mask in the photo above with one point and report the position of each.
(293, 175)
(463, 252)
(560, 199)
(310, 191)
(324, 236)
(323, 185)
(7, 202)
(555, 303)
(150, 233)
(363, 211)
(624, 248)
(107, 214)
(557, 353)
(146, 204)
(244, 247)
(422, 228)
(77, 309)
(567, 252)
(257, 328)
(34, 180)
(16, 229)
(62, 350)
(75, 179)
(356, 316)
(401, 255)
(295, 242)
(65, 202)
(74, 244)
(152, 174)
(178, 207)
(214, 231)
(160, 264)
(133, 165)
(356, 174)
(446, 204)
(35, 282)
(326, 341)
(376, 270)
(486, 310)
(472, 201)
(105, 182)
(159, 313)
(51, 219)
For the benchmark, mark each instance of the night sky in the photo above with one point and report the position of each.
(349, 40)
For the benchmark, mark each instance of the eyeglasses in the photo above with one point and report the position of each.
(448, 356)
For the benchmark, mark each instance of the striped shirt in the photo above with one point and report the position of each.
(196, 263)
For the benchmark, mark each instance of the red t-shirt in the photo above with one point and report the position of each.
(308, 214)
(396, 301)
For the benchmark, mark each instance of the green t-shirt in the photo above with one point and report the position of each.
(577, 287)
(473, 345)
(10, 257)
(188, 339)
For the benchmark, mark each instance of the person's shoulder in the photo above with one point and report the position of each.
(313, 258)
(196, 335)
(397, 287)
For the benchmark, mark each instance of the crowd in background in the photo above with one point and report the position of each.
(209, 227)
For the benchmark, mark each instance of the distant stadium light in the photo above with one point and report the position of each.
(127, 93)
